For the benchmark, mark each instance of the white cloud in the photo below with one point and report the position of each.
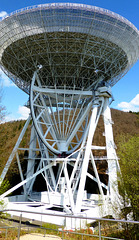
(133, 105)
(24, 112)
(9, 118)
(135, 101)
(3, 14)
(5, 81)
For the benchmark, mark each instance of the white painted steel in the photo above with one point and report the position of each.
(62, 115)
(72, 195)
(25, 181)
(14, 150)
(112, 158)
(86, 160)
(20, 171)
(96, 175)
(84, 28)
(32, 155)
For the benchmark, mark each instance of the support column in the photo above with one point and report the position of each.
(31, 157)
(82, 182)
(5, 170)
(111, 153)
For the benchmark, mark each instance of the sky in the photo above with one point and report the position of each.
(125, 92)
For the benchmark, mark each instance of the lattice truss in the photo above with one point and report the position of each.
(72, 59)
(60, 115)
(77, 45)
(61, 147)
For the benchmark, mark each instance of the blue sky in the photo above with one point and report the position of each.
(126, 91)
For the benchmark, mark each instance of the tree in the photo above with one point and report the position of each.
(2, 108)
(128, 151)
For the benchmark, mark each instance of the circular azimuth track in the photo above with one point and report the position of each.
(59, 115)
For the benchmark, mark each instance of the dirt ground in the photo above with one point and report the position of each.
(38, 236)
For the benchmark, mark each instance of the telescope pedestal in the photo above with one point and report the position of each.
(67, 177)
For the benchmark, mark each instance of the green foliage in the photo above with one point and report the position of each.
(11, 233)
(50, 226)
(128, 151)
(4, 186)
(129, 163)
(137, 113)
(9, 133)
(20, 126)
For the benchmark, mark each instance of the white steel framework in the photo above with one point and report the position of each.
(67, 57)
(66, 187)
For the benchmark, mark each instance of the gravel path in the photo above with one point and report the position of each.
(38, 236)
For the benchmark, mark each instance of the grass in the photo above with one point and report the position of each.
(10, 233)
(86, 234)
(46, 228)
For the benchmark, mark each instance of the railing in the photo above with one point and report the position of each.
(62, 231)
(74, 6)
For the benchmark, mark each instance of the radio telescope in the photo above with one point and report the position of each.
(67, 57)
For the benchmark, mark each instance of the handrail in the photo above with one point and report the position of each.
(73, 216)
(99, 236)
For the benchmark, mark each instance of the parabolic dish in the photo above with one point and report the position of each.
(77, 46)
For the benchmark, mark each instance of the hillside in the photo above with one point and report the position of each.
(124, 123)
